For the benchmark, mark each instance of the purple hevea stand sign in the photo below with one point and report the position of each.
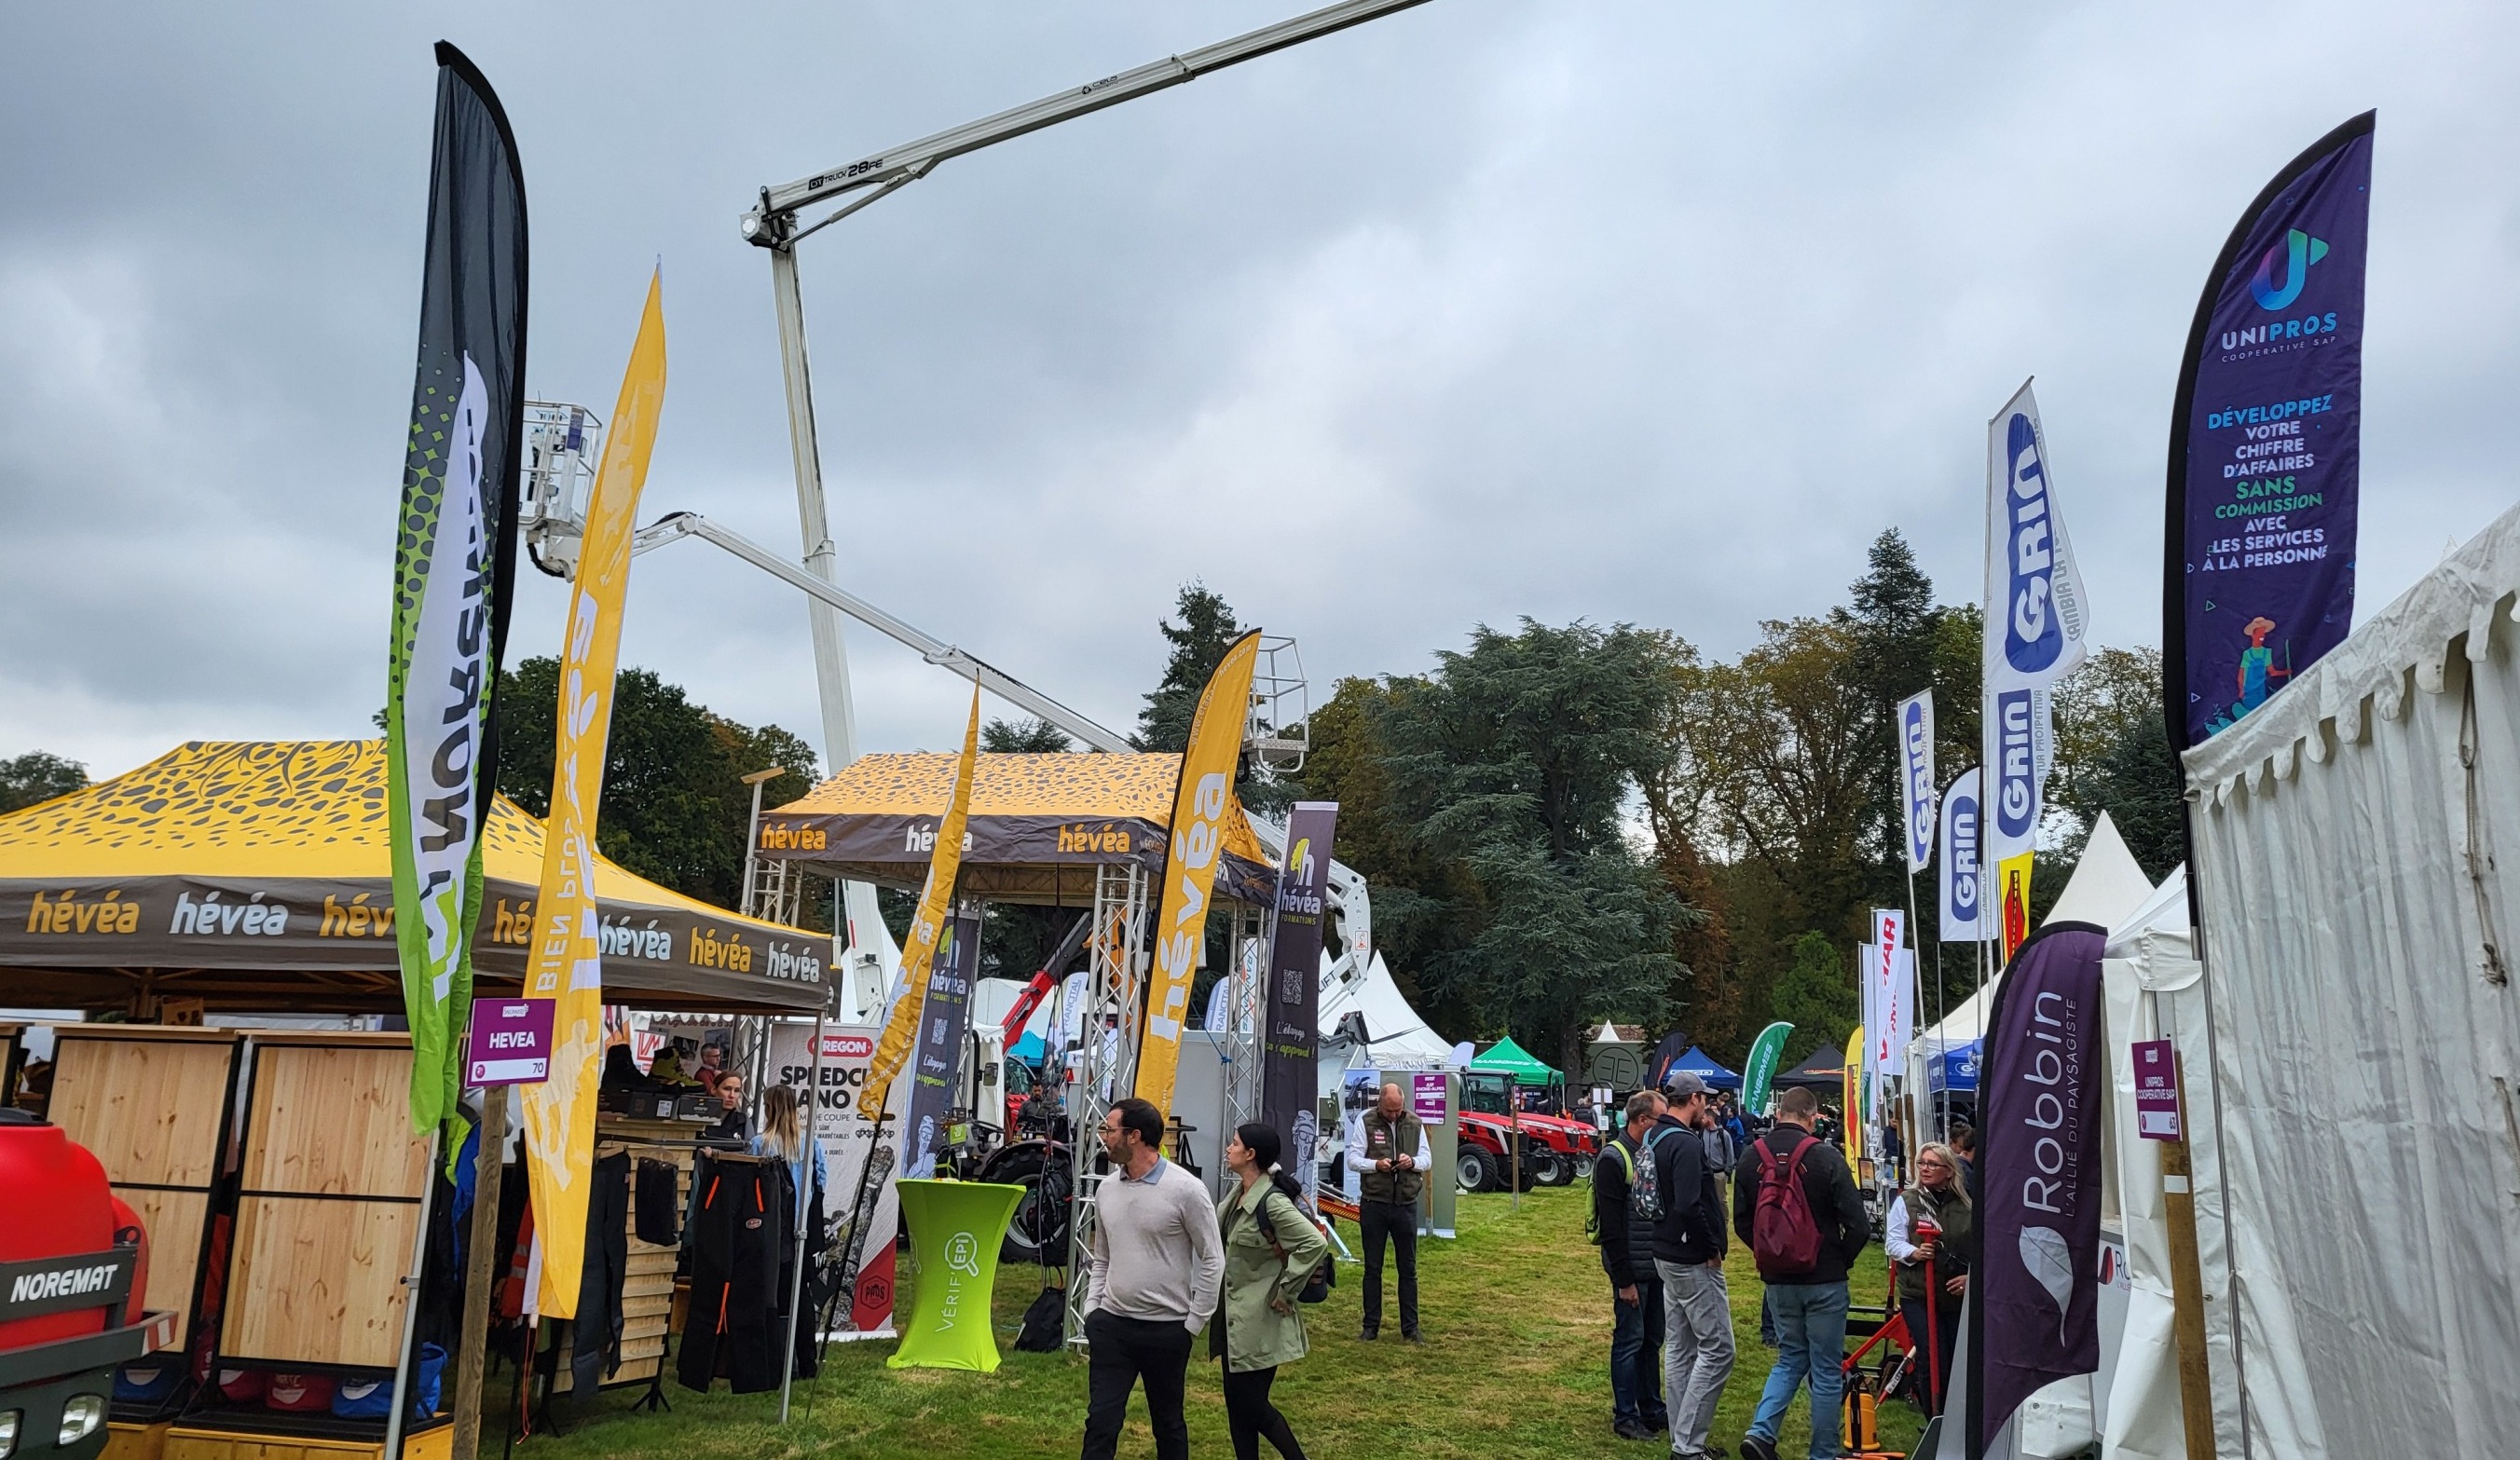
(511, 1042)
(2156, 1089)
(1426, 1098)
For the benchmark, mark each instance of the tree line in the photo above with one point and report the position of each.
(1564, 825)
(1561, 824)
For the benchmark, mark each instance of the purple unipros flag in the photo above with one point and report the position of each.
(2034, 1301)
(1290, 1022)
(2265, 444)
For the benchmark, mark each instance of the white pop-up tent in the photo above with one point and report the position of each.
(2356, 844)
(2108, 886)
(1400, 1038)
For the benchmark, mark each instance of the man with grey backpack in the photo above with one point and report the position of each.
(1688, 1243)
(1625, 1236)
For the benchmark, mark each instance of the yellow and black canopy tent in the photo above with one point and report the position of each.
(257, 875)
(1040, 825)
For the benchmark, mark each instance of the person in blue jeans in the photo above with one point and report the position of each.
(1808, 1303)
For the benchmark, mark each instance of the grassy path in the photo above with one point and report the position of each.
(1517, 1313)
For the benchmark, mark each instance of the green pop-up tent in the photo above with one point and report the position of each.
(1506, 1057)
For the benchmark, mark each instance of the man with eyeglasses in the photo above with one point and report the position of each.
(1157, 1266)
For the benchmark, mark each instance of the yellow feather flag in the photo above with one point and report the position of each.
(566, 959)
(1851, 1114)
(927, 927)
(1197, 838)
(2013, 876)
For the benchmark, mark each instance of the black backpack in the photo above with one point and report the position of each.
(1324, 1276)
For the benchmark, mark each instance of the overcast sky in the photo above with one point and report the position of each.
(1652, 312)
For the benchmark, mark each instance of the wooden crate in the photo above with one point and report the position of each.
(201, 1442)
(330, 1203)
(154, 1105)
(136, 1441)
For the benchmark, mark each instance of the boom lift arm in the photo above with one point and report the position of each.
(772, 224)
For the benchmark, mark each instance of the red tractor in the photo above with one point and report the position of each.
(1554, 1147)
(73, 1262)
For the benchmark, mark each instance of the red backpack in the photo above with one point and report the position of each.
(1784, 1237)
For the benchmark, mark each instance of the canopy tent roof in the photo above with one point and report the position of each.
(1825, 1069)
(1040, 825)
(2105, 889)
(257, 875)
(1506, 1057)
(1396, 1034)
(1701, 1064)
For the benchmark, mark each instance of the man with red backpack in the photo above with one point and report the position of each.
(1795, 1204)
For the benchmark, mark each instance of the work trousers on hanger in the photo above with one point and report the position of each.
(741, 1224)
(595, 1345)
(658, 1216)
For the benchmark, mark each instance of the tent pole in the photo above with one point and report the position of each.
(2187, 1272)
(805, 1211)
(488, 1170)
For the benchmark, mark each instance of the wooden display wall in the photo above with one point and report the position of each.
(647, 1277)
(154, 1105)
(329, 1205)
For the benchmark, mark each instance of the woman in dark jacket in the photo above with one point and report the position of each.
(1931, 1238)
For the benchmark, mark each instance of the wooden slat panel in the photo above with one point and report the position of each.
(318, 1281)
(147, 1107)
(174, 1221)
(335, 1121)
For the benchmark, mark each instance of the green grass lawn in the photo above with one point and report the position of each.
(1517, 1323)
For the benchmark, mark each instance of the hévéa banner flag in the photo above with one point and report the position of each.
(1759, 1071)
(1291, 1012)
(2034, 1298)
(1202, 803)
(455, 541)
(1915, 729)
(1962, 881)
(2266, 454)
(926, 926)
(565, 960)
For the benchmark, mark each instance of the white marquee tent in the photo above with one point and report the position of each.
(2350, 845)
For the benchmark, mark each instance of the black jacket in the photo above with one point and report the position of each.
(1828, 1185)
(1692, 1229)
(1627, 1243)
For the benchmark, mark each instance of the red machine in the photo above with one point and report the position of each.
(1554, 1149)
(73, 1259)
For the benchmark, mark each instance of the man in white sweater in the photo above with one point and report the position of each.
(1157, 1267)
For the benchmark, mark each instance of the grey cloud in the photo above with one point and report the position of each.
(1618, 310)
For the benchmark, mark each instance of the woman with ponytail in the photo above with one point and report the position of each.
(1271, 1249)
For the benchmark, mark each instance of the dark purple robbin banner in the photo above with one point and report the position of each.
(2034, 1298)
(2265, 445)
(1291, 1015)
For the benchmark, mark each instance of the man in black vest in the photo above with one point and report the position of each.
(1389, 1156)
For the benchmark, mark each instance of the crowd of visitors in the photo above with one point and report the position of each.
(1684, 1175)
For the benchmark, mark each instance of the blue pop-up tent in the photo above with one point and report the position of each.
(1955, 1069)
(1699, 1063)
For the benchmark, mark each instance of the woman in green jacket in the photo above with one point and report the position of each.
(1270, 1250)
